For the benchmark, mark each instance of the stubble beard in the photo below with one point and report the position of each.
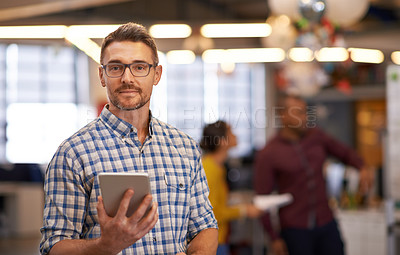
(127, 107)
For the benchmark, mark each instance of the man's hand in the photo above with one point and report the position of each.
(279, 247)
(120, 232)
(366, 180)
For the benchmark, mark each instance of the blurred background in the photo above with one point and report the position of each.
(222, 59)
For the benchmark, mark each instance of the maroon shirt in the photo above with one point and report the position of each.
(297, 168)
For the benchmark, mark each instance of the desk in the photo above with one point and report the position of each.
(23, 208)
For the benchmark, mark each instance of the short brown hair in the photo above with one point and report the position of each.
(212, 135)
(130, 32)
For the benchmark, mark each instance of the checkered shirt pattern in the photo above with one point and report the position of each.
(109, 144)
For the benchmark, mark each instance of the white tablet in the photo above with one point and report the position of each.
(114, 185)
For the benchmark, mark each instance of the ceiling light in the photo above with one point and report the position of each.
(236, 30)
(215, 56)
(301, 54)
(170, 31)
(181, 57)
(86, 45)
(396, 57)
(228, 67)
(92, 31)
(332, 54)
(32, 32)
(366, 55)
(244, 55)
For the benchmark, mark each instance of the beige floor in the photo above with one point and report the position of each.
(19, 246)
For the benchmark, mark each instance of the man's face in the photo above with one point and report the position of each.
(129, 92)
(294, 116)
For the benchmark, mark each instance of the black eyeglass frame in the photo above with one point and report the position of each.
(129, 67)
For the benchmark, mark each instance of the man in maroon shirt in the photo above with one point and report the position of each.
(292, 162)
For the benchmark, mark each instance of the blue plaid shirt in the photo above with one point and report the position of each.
(109, 144)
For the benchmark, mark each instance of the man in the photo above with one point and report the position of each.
(292, 162)
(126, 138)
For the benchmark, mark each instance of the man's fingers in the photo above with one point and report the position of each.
(124, 204)
(149, 221)
(142, 209)
(154, 215)
(101, 211)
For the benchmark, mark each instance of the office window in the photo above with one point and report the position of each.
(235, 105)
(41, 102)
(199, 93)
(2, 103)
(185, 97)
(242, 104)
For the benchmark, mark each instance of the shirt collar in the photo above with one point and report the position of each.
(121, 127)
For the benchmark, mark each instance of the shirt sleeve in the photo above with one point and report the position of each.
(264, 183)
(65, 202)
(341, 151)
(201, 214)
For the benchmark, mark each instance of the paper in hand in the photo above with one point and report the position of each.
(268, 202)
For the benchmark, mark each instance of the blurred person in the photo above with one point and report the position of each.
(292, 162)
(215, 142)
(127, 138)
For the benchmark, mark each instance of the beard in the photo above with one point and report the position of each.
(129, 106)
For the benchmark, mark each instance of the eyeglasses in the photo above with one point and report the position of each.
(138, 69)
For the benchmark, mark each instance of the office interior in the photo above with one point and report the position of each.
(342, 57)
